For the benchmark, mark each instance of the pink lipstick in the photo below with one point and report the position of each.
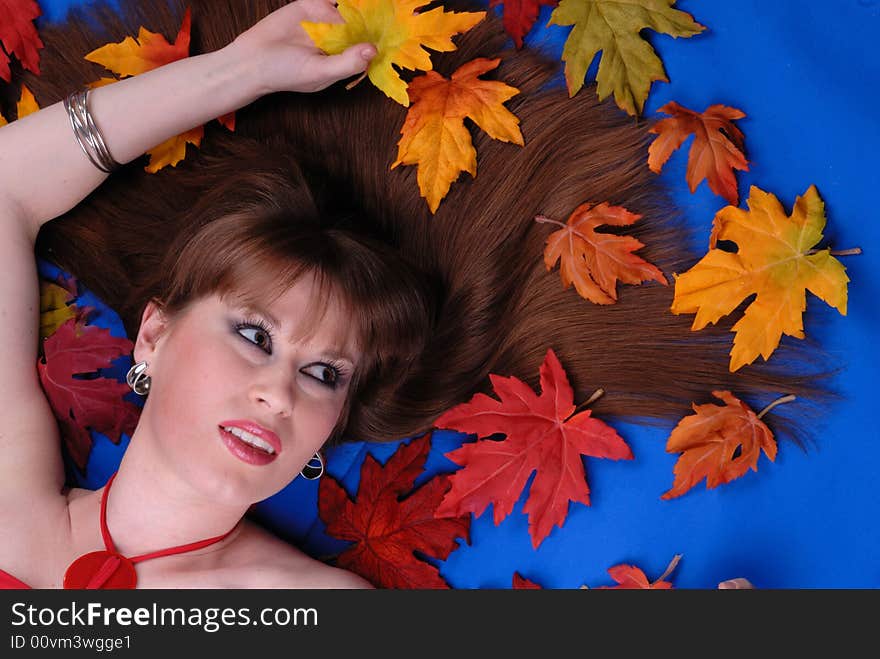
(249, 441)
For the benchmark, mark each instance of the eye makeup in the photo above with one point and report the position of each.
(263, 340)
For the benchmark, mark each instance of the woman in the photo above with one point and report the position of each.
(250, 364)
(484, 305)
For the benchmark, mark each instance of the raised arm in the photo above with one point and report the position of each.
(44, 173)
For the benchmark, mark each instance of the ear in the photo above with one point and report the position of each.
(154, 325)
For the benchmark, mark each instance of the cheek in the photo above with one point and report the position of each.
(314, 419)
(193, 388)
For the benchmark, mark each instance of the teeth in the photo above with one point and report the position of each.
(248, 438)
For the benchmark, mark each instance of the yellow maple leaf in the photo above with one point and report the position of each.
(398, 33)
(775, 259)
(173, 150)
(54, 308)
(434, 135)
(26, 105)
(628, 64)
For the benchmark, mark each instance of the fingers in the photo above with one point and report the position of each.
(739, 583)
(351, 61)
(324, 11)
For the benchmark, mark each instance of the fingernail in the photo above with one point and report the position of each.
(368, 53)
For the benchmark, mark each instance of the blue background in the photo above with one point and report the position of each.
(806, 75)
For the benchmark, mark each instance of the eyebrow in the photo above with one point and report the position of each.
(251, 307)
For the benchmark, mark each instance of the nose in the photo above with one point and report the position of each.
(273, 392)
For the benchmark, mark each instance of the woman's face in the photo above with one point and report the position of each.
(214, 366)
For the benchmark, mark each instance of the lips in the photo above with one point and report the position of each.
(246, 452)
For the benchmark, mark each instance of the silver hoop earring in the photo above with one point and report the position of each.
(314, 468)
(138, 379)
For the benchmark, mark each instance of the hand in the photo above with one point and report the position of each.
(286, 59)
(739, 583)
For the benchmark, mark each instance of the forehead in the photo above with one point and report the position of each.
(304, 311)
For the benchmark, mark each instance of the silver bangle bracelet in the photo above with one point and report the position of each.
(86, 132)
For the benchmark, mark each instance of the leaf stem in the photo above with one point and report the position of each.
(778, 401)
(354, 82)
(543, 219)
(839, 252)
(669, 568)
(596, 394)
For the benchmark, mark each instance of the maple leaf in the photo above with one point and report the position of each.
(173, 150)
(774, 260)
(593, 261)
(18, 36)
(26, 105)
(521, 583)
(399, 34)
(543, 435)
(56, 305)
(520, 16)
(434, 134)
(387, 528)
(628, 64)
(630, 577)
(718, 443)
(79, 404)
(55, 308)
(150, 50)
(716, 151)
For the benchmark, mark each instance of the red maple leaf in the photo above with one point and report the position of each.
(521, 583)
(80, 404)
(520, 16)
(543, 434)
(630, 577)
(387, 527)
(18, 35)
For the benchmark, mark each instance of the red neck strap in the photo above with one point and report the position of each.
(108, 540)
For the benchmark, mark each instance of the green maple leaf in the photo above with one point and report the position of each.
(628, 65)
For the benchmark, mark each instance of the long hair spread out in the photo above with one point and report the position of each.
(495, 307)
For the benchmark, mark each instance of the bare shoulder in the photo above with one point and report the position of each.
(266, 561)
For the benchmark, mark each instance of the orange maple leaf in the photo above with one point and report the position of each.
(631, 577)
(150, 50)
(716, 151)
(719, 443)
(593, 261)
(434, 134)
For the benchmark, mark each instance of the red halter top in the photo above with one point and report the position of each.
(108, 569)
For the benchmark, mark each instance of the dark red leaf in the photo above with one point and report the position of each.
(386, 527)
(18, 35)
(80, 404)
(520, 16)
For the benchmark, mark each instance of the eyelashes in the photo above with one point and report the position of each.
(257, 324)
(265, 344)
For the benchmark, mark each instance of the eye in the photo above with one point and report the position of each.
(326, 374)
(256, 333)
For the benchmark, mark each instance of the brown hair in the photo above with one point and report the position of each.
(497, 308)
(257, 232)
